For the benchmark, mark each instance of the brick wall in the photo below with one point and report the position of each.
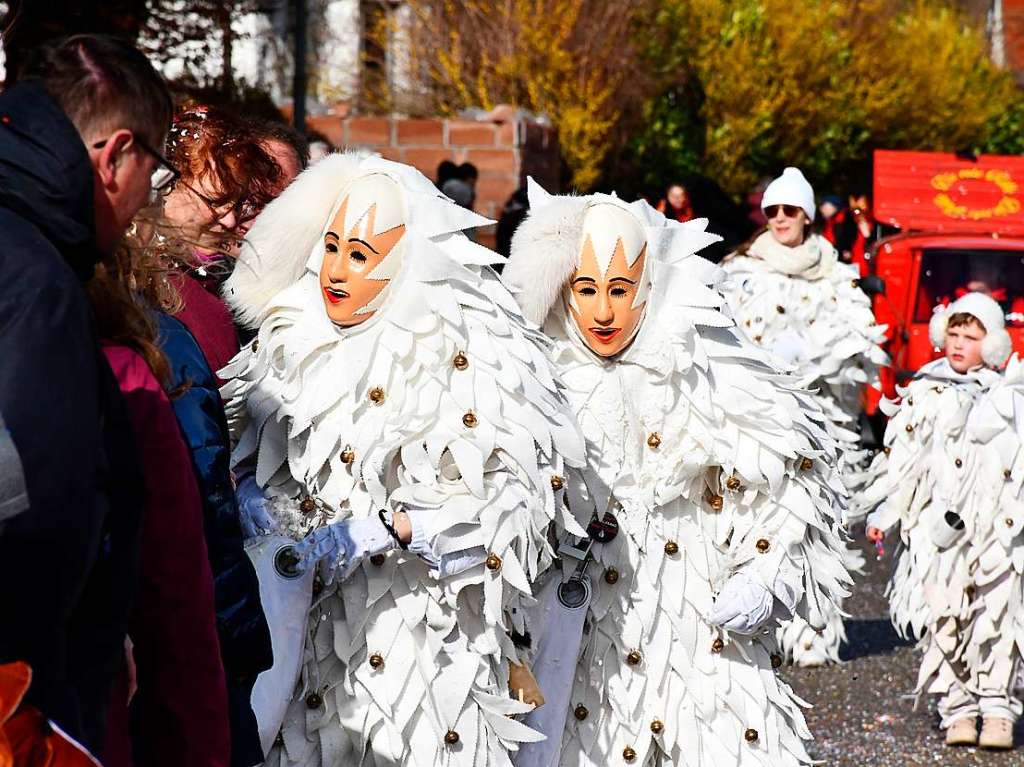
(505, 146)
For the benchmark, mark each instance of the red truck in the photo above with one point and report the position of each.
(961, 223)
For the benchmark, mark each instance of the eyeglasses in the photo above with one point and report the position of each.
(791, 211)
(165, 174)
(165, 177)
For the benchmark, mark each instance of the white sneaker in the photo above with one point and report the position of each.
(963, 732)
(996, 733)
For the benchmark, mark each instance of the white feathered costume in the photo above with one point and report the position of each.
(716, 474)
(950, 478)
(805, 306)
(444, 401)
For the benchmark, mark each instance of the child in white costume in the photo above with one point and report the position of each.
(790, 294)
(404, 423)
(950, 479)
(719, 481)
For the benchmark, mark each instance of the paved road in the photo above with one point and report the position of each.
(863, 714)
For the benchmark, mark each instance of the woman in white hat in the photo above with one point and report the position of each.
(950, 481)
(712, 500)
(791, 296)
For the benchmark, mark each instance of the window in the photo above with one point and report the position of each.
(947, 274)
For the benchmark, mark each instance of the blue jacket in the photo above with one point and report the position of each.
(241, 624)
(68, 564)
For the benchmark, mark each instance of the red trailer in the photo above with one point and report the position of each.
(962, 228)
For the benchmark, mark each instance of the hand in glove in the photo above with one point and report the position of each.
(342, 546)
(743, 604)
(253, 516)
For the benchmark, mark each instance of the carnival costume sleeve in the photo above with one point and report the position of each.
(444, 403)
(721, 479)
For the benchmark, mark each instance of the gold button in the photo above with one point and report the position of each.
(581, 712)
(763, 545)
(557, 483)
(654, 441)
(958, 463)
(657, 726)
(313, 700)
(376, 661)
(716, 502)
(750, 735)
(853, 284)
(376, 395)
(377, 560)
(1009, 522)
(348, 455)
(255, 345)
(757, 339)
(733, 483)
(887, 450)
(910, 400)
(671, 548)
(634, 658)
(718, 645)
(780, 309)
(776, 661)
(611, 576)
(910, 428)
(461, 361)
(493, 562)
(806, 463)
(308, 506)
(628, 754)
(451, 737)
(469, 420)
(1007, 475)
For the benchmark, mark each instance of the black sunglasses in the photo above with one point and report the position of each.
(791, 211)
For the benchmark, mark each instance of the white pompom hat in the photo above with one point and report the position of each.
(997, 345)
(791, 188)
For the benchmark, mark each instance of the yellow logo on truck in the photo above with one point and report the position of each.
(1001, 180)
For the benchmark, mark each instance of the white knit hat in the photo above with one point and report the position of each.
(791, 188)
(997, 345)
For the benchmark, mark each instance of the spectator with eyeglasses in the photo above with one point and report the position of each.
(792, 296)
(223, 176)
(78, 133)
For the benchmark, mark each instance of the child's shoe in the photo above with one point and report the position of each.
(996, 733)
(963, 732)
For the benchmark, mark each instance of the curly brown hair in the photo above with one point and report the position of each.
(226, 155)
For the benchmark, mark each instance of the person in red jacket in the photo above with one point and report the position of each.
(179, 713)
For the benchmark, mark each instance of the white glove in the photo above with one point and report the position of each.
(743, 605)
(342, 546)
(253, 516)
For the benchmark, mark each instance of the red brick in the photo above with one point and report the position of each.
(391, 153)
(369, 131)
(493, 160)
(332, 128)
(426, 160)
(420, 132)
(496, 189)
(466, 133)
(507, 133)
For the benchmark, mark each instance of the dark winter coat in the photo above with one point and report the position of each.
(241, 625)
(67, 564)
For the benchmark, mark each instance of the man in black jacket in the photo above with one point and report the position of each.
(77, 138)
